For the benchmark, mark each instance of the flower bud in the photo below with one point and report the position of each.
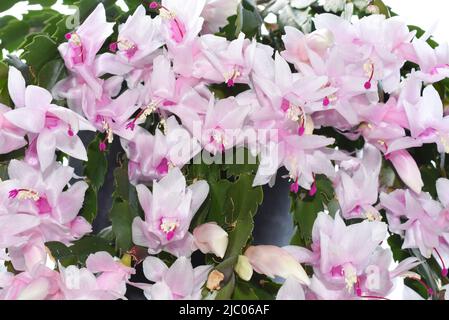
(214, 279)
(243, 268)
(320, 40)
(407, 169)
(210, 237)
(275, 262)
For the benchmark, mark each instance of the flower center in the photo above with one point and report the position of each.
(126, 46)
(24, 194)
(350, 274)
(295, 113)
(294, 187)
(368, 67)
(76, 47)
(218, 137)
(142, 115)
(232, 76)
(51, 121)
(177, 27)
(163, 166)
(109, 137)
(168, 226)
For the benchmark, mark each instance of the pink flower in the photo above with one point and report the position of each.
(44, 211)
(373, 43)
(79, 52)
(138, 38)
(340, 254)
(152, 157)
(357, 189)
(226, 58)
(39, 284)
(427, 123)
(181, 20)
(179, 282)
(433, 63)
(222, 126)
(300, 47)
(103, 278)
(111, 116)
(169, 210)
(54, 127)
(422, 221)
(302, 156)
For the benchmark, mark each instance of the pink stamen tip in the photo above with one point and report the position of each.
(326, 102)
(358, 292)
(301, 130)
(162, 168)
(429, 289)
(70, 132)
(313, 190)
(131, 52)
(367, 85)
(68, 36)
(131, 126)
(13, 193)
(230, 83)
(444, 271)
(170, 235)
(102, 146)
(154, 5)
(113, 47)
(285, 105)
(294, 187)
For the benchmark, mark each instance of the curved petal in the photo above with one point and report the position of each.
(154, 269)
(180, 277)
(37, 97)
(46, 146)
(21, 118)
(16, 87)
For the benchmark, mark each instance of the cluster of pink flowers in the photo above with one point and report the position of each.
(163, 66)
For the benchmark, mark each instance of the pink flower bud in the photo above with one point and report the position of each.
(407, 169)
(276, 262)
(210, 237)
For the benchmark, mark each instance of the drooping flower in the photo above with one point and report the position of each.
(139, 37)
(357, 190)
(169, 210)
(39, 284)
(340, 254)
(103, 278)
(422, 221)
(44, 210)
(152, 157)
(54, 127)
(80, 50)
(181, 20)
(179, 282)
(275, 262)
